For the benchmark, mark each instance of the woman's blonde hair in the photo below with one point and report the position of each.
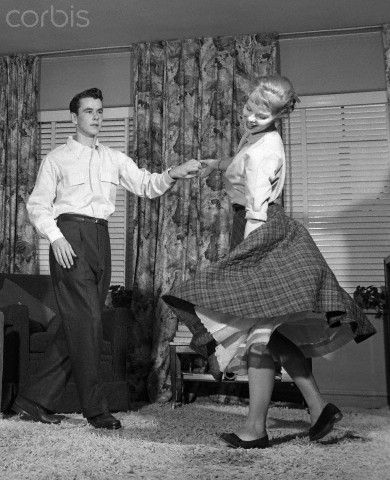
(276, 93)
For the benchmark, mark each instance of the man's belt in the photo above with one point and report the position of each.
(75, 217)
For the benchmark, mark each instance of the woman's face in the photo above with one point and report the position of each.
(256, 118)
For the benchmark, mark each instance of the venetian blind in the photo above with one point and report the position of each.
(117, 133)
(338, 181)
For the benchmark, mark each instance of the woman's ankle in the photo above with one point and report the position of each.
(251, 432)
(315, 410)
(257, 425)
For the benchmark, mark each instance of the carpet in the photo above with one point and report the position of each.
(161, 443)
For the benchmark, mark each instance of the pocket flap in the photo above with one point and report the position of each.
(109, 176)
(71, 179)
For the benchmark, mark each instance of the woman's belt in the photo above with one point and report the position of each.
(237, 207)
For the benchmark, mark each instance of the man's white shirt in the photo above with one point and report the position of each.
(74, 178)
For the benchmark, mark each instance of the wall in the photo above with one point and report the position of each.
(334, 64)
(62, 77)
(355, 375)
(316, 65)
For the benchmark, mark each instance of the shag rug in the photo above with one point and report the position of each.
(161, 443)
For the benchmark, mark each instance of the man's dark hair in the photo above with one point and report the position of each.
(90, 93)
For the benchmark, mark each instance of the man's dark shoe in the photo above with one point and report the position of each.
(29, 410)
(105, 420)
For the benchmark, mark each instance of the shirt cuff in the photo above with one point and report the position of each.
(167, 178)
(251, 225)
(54, 234)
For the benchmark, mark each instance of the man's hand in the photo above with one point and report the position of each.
(63, 252)
(189, 169)
(208, 166)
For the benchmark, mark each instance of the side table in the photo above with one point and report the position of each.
(179, 377)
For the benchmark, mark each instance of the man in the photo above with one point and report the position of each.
(73, 197)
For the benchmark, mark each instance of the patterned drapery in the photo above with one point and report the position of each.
(188, 98)
(19, 77)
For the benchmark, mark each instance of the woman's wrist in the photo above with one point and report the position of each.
(171, 173)
(219, 165)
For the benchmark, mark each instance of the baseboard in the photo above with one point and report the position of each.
(360, 401)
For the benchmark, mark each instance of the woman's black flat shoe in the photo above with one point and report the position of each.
(213, 368)
(329, 416)
(235, 442)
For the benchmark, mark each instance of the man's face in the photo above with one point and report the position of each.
(89, 117)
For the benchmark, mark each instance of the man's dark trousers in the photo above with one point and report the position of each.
(80, 293)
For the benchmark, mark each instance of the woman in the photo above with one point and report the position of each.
(273, 297)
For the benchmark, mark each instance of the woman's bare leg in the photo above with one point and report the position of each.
(261, 374)
(296, 365)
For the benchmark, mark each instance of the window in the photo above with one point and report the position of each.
(338, 181)
(117, 132)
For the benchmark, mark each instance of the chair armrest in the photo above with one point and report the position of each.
(16, 321)
(16, 316)
(115, 330)
(1, 353)
(54, 325)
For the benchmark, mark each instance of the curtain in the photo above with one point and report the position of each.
(188, 98)
(19, 77)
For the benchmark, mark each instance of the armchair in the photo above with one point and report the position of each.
(26, 339)
(1, 350)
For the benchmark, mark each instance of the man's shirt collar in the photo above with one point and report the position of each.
(77, 148)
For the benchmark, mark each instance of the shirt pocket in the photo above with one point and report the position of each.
(74, 179)
(109, 177)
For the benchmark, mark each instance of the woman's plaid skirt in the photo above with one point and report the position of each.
(276, 278)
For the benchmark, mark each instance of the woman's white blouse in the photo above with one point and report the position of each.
(256, 176)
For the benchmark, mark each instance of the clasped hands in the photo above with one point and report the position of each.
(194, 168)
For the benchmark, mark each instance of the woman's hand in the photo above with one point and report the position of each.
(189, 169)
(208, 166)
